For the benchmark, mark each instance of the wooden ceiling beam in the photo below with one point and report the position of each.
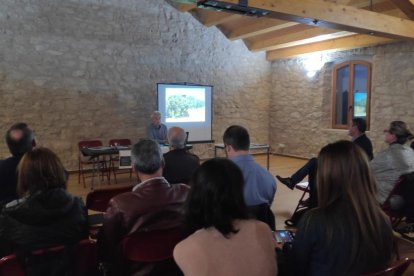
(331, 15)
(211, 18)
(309, 34)
(262, 26)
(265, 25)
(338, 44)
(406, 6)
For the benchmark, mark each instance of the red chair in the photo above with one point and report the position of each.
(114, 160)
(395, 269)
(152, 246)
(85, 259)
(396, 216)
(97, 200)
(92, 162)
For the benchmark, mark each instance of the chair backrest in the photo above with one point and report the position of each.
(395, 269)
(152, 246)
(98, 199)
(120, 142)
(85, 259)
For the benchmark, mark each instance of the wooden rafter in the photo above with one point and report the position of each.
(331, 15)
(261, 26)
(338, 44)
(305, 35)
(406, 6)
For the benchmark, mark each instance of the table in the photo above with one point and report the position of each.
(252, 147)
(95, 152)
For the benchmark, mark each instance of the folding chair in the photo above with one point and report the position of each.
(97, 200)
(395, 269)
(94, 163)
(303, 186)
(84, 258)
(114, 160)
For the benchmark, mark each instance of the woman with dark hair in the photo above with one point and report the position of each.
(347, 234)
(225, 241)
(46, 214)
(391, 163)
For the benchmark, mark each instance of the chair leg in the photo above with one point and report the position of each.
(113, 169)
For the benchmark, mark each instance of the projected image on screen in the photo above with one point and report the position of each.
(185, 105)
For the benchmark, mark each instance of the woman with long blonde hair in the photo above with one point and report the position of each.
(347, 234)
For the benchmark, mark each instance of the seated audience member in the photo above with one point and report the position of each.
(259, 184)
(358, 136)
(153, 204)
(46, 214)
(19, 139)
(394, 161)
(224, 241)
(179, 163)
(347, 234)
(156, 130)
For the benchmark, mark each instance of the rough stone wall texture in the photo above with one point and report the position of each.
(300, 112)
(86, 69)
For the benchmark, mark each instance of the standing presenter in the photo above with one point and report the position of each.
(157, 131)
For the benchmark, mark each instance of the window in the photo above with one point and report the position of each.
(351, 92)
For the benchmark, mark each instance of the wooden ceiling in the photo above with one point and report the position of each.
(293, 28)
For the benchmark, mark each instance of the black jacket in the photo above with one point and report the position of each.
(8, 179)
(180, 166)
(42, 220)
(365, 144)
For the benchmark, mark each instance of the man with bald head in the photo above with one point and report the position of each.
(179, 163)
(19, 139)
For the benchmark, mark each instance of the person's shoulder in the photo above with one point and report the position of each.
(181, 187)
(187, 248)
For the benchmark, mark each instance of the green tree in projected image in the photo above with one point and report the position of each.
(178, 105)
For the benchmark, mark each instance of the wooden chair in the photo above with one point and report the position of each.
(97, 200)
(395, 269)
(114, 160)
(84, 259)
(94, 163)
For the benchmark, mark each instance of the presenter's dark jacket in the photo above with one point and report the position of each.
(180, 166)
(364, 142)
(152, 205)
(42, 220)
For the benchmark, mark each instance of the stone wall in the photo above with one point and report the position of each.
(300, 112)
(86, 69)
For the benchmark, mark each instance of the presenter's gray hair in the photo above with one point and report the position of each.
(146, 156)
(176, 137)
(156, 114)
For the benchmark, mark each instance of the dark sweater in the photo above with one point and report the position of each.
(312, 255)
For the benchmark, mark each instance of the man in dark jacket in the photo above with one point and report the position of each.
(153, 204)
(179, 163)
(357, 132)
(19, 139)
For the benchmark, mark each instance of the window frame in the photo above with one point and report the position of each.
(350, 111)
